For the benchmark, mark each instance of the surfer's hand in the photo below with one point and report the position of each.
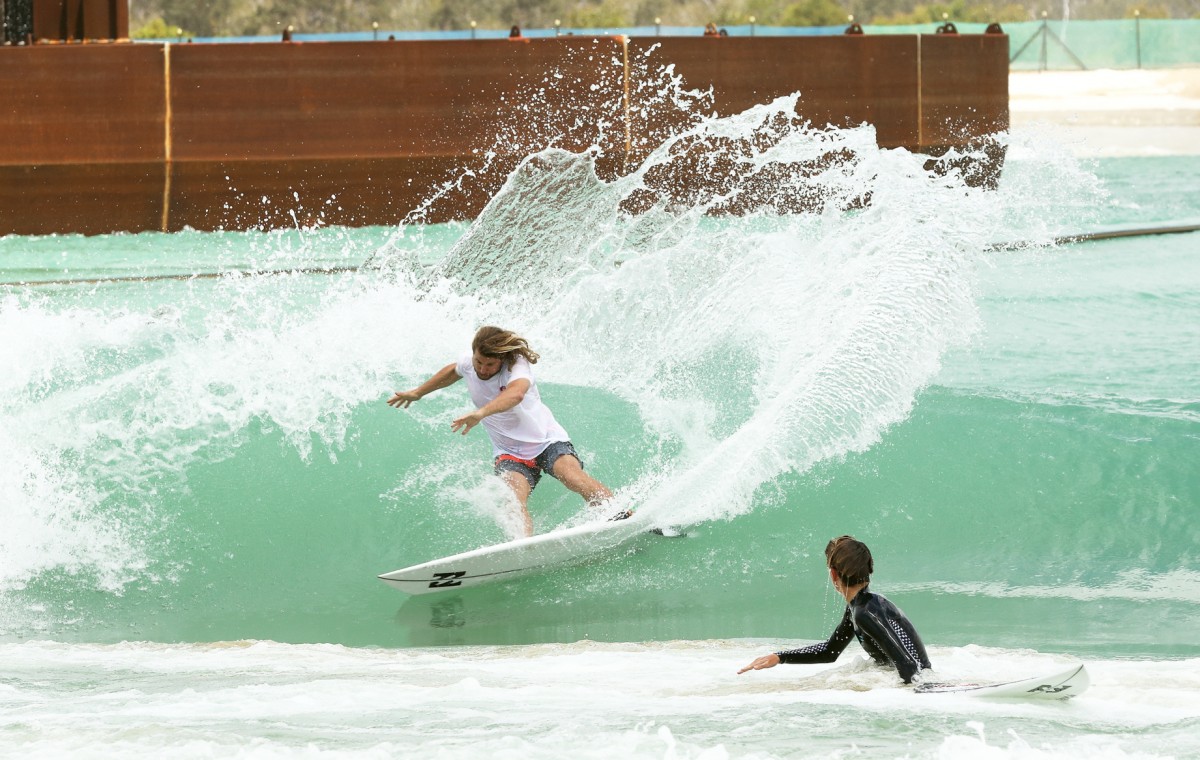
(762, 663)
(401, 399)
(466, 422)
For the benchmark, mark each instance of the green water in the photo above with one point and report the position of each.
(210, 458)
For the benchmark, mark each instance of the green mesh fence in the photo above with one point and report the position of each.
(1123, 44)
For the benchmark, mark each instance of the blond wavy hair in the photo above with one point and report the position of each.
(497, 343)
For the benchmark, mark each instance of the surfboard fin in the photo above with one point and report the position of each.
(668, 532)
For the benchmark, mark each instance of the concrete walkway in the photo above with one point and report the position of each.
(1110, 113)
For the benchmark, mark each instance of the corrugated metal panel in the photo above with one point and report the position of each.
(361, 132)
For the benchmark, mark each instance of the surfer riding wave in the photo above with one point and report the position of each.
(526, 438)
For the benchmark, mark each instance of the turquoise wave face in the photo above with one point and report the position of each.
(211, 459)
(1064, 522)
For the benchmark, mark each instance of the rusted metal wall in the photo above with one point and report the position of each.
(81, 138)
(99, 138)
(961, 95)
(375, 127)
(843, 80)
(918, 91)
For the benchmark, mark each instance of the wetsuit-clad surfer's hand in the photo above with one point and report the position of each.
(762, 663)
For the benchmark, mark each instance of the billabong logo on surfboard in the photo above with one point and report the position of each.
(446, 580)
(1048, 689)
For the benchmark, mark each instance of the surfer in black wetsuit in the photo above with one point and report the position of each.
(882, 629)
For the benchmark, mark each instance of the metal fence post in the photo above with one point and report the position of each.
(1137, 25)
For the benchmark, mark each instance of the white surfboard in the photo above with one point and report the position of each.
(1063, 685)
(515, 558)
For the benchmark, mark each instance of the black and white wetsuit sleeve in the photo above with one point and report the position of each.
(826, 651)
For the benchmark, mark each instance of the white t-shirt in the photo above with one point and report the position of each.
(523, 431)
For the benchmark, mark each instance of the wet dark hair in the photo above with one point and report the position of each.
(850, 559)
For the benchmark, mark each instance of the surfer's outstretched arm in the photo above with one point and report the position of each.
(444, 377)
(826, 651)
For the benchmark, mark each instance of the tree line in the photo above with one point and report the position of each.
(234, 18)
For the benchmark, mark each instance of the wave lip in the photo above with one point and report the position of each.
(1180, 585)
